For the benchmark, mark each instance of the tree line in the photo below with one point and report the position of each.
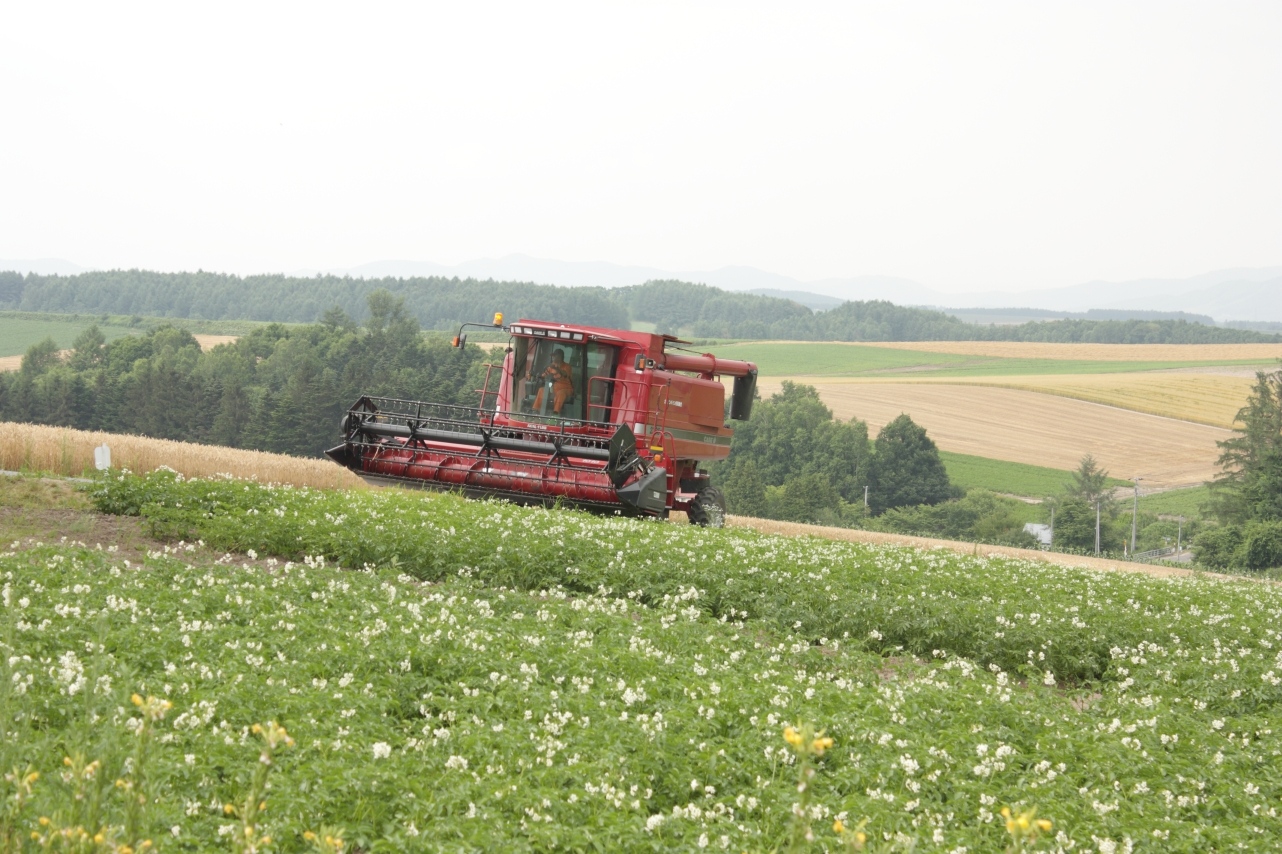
(670, 306)
(1246, 498)
(794, 461)
(280, 389)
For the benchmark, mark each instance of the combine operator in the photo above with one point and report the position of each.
(558, 371)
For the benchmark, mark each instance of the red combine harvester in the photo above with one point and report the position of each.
(602, 419)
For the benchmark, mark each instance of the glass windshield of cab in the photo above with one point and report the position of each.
(558, 379)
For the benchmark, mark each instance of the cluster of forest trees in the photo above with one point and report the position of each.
(1247, 497)
(795, 462)
(673, 307)
(280, 389)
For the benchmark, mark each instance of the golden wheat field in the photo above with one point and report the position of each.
(1188, 395)
(1030, 427)
(61, 450)
(1093, 352)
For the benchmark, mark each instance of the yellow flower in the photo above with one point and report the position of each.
(1044, 824)
(136, 700)
(308, 835)
(44, 821)
(791, 736)
(228, 809)
(838, 827)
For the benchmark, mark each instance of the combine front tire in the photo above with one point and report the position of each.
(708, 508)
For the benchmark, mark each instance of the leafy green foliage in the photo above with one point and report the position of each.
(980, 516)
(1074, 530)
(1251, 461)
(547, 676)
(906, 468)
(277, 388)
(1255, 546)
(1247, 497)
(793, 442)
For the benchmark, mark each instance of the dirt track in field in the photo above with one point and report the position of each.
(793, 529)
(1028, 427)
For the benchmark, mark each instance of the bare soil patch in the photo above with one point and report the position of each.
(209, 342)
(28, 526)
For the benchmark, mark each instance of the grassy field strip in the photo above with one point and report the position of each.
(62, 450)
(17, 334)
(1094, 352)
(1037, 429)
(834, 359)
(1186, 502)
(810, 360)
(1002, 476)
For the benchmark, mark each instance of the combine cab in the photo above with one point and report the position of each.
(602, 419)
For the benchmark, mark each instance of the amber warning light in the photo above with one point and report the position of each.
(498, 318)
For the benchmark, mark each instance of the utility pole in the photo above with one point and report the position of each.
(1097, 526)
(1179, 536)
(865, 496)
(1135, 514)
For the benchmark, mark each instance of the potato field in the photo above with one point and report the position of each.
(295, 669)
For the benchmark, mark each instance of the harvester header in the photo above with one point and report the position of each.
(606, 419)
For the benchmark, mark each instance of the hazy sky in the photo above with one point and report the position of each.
(967, 145)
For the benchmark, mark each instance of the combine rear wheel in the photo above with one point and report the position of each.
(708, 508)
